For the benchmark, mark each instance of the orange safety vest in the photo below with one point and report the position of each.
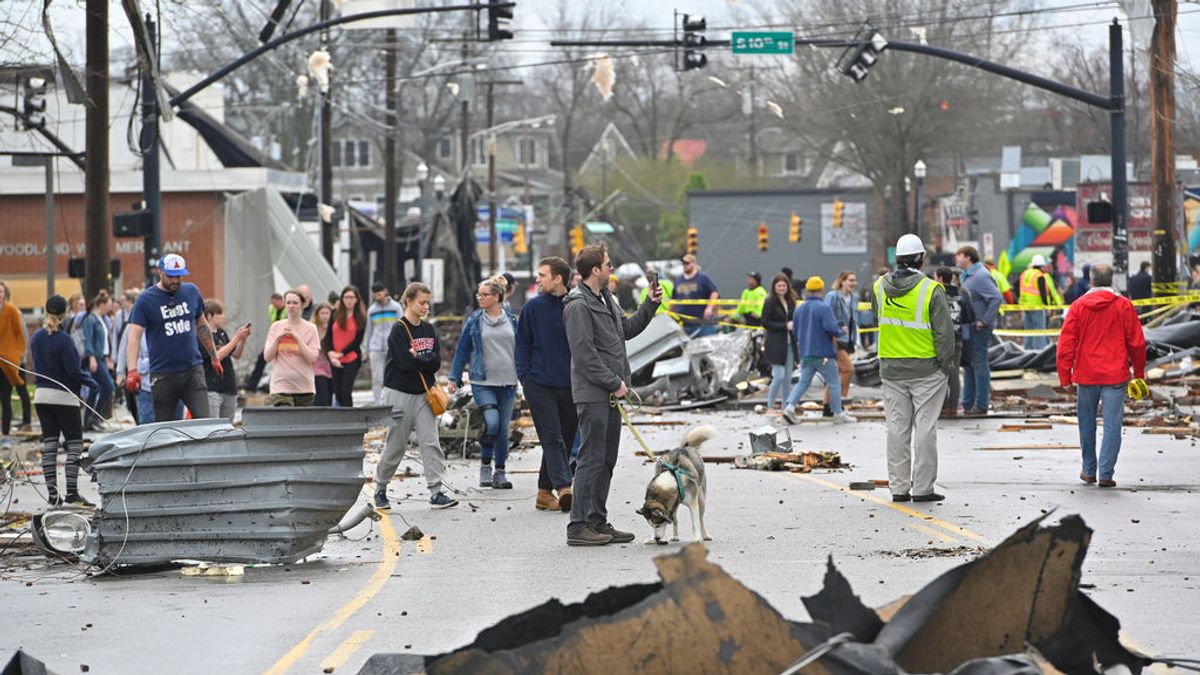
(1030, 293)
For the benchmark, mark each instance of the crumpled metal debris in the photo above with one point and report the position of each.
(1016, 610)
(796, 462)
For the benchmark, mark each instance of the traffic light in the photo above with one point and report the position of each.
(693, 41)
(135, 223)
(693, 241)
(520, 247)
(838, 207)
(863, 55)
(576, 240)
(794, 229)
(763, 233)
(33, 111)
(498, 21)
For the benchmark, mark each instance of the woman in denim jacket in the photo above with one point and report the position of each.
(487, 343)
(95, 359)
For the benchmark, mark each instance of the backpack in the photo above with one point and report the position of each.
(75, 331)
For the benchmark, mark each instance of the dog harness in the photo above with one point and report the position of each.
(675, 470)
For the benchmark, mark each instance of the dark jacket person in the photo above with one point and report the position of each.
(596, 332)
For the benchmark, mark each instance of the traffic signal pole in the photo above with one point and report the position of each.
(151, 187)
(1114, 103)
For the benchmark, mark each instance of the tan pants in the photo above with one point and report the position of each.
(845, 374)
(911, 408)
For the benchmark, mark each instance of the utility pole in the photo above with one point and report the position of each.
(151, 179)
(1162, 145)
(1120, 223)
(327, 228)
(96, 177)
(490, 139)
(463, 89)
(389, 166)
(753, 115)
(50, 253)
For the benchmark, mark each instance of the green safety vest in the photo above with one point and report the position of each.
(668, 290)
(1001, 282)
(905, 331)
(752, 302)
(1031, 295)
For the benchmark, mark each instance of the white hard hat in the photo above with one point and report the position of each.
(1038, 261)
(909, 244)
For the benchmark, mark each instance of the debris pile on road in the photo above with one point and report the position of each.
(796, 462)
(1014, 610)
(204, 490)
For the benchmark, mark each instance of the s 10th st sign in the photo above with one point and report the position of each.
(758, 42)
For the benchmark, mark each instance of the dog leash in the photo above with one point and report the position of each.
(676, 471)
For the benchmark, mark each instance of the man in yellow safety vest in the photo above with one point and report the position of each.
(1036, 289)
(749, 309)
(916, 358)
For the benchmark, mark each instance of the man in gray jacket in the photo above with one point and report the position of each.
(916, 358)
(985, 304)
(597, 331)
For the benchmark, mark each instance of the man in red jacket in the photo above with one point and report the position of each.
(1101, 340)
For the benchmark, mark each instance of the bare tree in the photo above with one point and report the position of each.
(910, 106)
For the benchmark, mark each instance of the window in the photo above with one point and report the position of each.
(478, 151)
(445, 148)
(364, 154)
(527, 153)
(348, 153)
(791, 163)
(336, 147)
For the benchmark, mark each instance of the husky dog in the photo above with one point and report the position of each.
(679, 479)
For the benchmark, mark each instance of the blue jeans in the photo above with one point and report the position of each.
(828, 368)
(145, 406)
(977, 377)
(1112, 398)
(496, 404)
(555, 419)
(98, 398)
(1034, 320)
(781, 377)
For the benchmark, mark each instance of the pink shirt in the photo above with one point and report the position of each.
(292, 373)
(322, 367)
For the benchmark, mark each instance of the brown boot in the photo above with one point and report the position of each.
(564, 499)
(546, 501)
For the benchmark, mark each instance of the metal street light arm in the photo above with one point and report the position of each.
(284, 39)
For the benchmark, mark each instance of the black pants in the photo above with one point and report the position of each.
(6, 411)
(556, 421)
(324, 397)
(169, 389)
(601, 425)
(343, 383)
(255, 375)
(66, 421)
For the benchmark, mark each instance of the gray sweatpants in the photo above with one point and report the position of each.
(378, 365)
(600, 425)
(912, 408)
(410, 411)
(222, 405)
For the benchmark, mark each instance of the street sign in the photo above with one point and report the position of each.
(759, 42)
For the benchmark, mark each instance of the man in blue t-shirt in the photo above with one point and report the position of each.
(695, 285)
(171, 316)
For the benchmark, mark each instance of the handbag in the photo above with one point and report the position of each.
(437, 397)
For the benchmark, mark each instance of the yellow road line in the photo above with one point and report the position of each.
(908, 511)
(345, 650)
(425, 545)
(391, 556)
(935, 533)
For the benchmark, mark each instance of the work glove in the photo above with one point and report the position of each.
(1137, 389)
(133, 382)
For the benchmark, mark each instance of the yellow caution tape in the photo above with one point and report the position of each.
(681, 318)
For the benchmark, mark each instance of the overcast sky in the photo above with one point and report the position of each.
(68, 19)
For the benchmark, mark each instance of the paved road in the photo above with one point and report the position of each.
(495, 555)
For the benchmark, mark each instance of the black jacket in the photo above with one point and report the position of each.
(1139, 286)
(779, 338)
(403, 371)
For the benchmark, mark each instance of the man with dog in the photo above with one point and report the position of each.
(916, 358)
(596, 332)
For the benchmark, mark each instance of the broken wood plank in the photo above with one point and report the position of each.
(1027, 425)
(1170, 431)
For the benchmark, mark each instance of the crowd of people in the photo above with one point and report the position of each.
(167, 350)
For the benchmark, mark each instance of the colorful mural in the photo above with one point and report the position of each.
(1050, 234)
(1191, 218)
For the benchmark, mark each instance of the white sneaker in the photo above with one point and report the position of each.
(843, 419)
